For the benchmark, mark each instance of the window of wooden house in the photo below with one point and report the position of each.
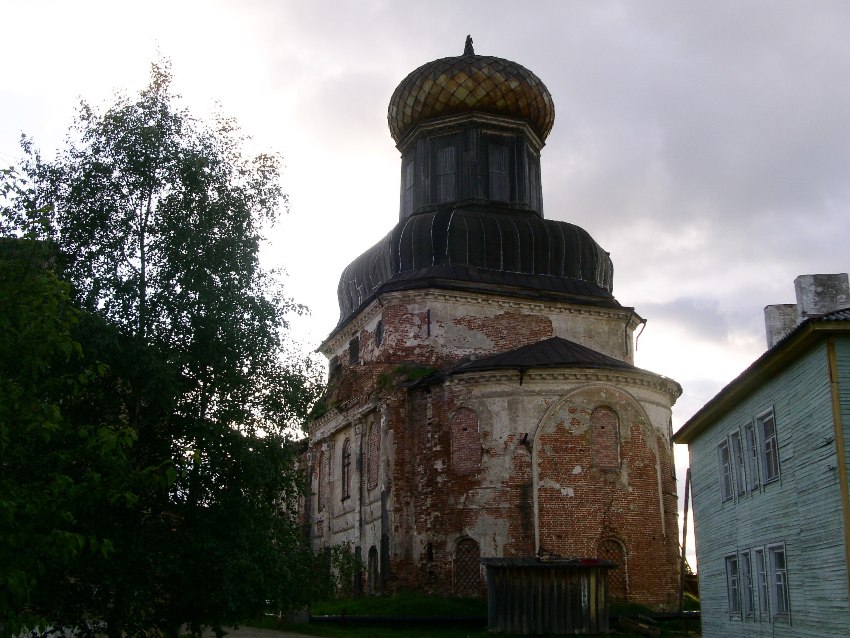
(738, 462)
(769, 446)
(346, 469)
(747, 584)
(752, 456)
(465, 442)
(733, 594)
(762, 584)
(605, 438)
(778, 581)
(725, 461)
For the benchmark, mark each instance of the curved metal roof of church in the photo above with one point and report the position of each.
(478, 246)
(518, 254)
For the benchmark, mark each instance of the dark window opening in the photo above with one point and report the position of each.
(379, 333)
(346, 469)
(354, 350)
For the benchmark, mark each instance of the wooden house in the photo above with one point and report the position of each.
(770, 478)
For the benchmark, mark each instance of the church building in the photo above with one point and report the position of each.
(482, 399)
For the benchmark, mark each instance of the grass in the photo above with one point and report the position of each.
(419, 605)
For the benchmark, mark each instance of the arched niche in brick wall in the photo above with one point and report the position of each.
(577, 490)
(467, 568)
(614, 550)
(465, 441)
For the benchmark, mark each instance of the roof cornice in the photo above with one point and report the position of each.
(767, 366)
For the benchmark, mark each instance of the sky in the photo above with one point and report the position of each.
(705, 145)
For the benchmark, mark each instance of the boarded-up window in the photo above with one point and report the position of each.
(446, 173)
(465, 442)
(500, 186)
(373, 455)
(407, 190)
(346, 469)
(605, 438)
(612, 550)
(467, 568)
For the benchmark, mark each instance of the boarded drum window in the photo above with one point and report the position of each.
(467, 568)
(614, 551)
(465, 442)
(605, 438)
(373, 455)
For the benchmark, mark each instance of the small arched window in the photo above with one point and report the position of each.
(346, 469)
(373, 454)
(605, 438)
(465, 442)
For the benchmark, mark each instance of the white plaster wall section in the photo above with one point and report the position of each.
(491, 533)
(551, 484)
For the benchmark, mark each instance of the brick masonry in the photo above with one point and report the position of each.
(567, 462)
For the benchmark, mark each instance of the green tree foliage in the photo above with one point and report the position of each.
(156, 219)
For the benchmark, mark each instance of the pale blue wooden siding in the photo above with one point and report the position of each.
(801, 509)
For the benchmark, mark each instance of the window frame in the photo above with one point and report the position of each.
(733, 585)
(738, 462)
(769, 446)
(781, 600)
(727, 483)
(745, 568)
(752, 451)
(762, 582)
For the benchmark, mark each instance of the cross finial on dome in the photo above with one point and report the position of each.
(467, 48)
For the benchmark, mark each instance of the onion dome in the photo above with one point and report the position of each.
(483, 251)
(470, 82)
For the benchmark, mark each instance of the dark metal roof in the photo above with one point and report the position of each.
(478, 248)
(555, 352)
(835, 315)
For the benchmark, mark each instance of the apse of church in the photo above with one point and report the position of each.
(482, 398)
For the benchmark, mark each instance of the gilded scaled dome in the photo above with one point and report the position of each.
(470, 82)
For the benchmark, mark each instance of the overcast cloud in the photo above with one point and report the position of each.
(705, 145)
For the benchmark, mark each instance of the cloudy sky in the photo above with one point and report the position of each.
(705, 145)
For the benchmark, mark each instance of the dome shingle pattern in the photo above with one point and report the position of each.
(455, 85)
